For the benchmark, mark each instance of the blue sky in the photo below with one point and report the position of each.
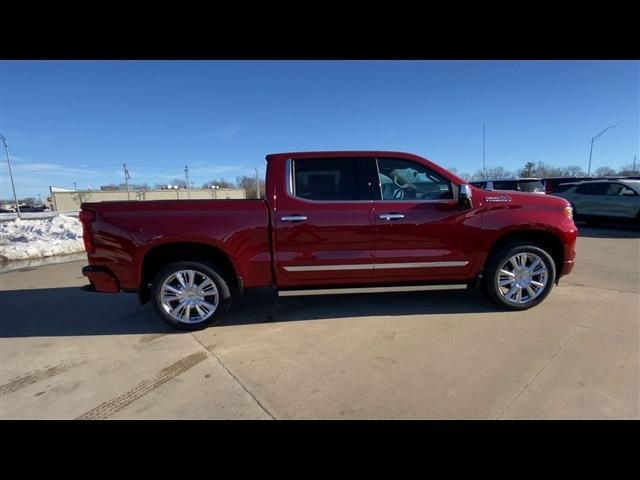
(78, 121)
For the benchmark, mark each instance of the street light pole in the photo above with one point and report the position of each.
(593, 139)
(6, 149)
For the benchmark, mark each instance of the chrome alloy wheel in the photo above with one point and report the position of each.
(189, 296)
(522, 278)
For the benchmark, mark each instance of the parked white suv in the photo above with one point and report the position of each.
(604, 199)
(532, 185)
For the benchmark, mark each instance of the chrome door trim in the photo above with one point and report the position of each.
(342, 291)
(376, 266)
(293, 218)
(321, 268)
(382, 266)
(289, 177)
(391, 216)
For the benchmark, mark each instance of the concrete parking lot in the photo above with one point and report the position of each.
(69, 354)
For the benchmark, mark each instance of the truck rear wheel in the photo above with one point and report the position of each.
(519, 276)
(190, 295)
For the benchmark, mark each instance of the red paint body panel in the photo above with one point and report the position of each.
(430, 232)
(102, 280)
(124, 232)
(262, 248)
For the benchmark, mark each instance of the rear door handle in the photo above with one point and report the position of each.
(293, 218)
(391, 216)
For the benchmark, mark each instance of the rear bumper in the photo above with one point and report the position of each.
(102, 280)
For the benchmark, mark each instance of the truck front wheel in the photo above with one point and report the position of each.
(519, 276)
(190, 295)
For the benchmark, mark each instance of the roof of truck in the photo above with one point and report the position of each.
(343, 153)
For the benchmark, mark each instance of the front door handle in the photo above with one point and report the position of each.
(294, 218)
(391, 216)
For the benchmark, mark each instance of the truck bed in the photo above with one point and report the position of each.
(125, 232)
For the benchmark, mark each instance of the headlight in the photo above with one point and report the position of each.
(568, 212)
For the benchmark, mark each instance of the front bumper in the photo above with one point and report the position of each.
(567, 267)
(102, 280)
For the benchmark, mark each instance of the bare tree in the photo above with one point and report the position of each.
(604, 171)
(222, 183)
(528, 171)
(491, 173)
(544, 171)
(180, 182)
(628, 170)
(249, 184)
(573, 171)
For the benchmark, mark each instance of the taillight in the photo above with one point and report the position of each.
(86, 217)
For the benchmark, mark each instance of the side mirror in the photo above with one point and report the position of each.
(464, 196)
(628, 192)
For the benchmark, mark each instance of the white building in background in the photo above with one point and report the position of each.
(64, 199)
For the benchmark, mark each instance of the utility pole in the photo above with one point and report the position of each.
(593, 139)
(75, 186)
(634, 162)
(257, 185)
(6, 149)
(186, 176)
(126, 180)
(484, 164)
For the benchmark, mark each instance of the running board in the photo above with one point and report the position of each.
(341, 291)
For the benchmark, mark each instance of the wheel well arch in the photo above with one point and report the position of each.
(544, 239)
(160, 255)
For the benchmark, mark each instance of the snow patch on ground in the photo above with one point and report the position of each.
(22, 239)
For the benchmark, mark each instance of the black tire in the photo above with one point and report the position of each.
(205, 268)
(503, 254)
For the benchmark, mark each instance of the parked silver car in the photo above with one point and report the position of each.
(600, 200)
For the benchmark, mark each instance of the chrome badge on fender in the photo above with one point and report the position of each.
(499, 198)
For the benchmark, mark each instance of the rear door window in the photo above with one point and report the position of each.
(592, 189)
(332, 179)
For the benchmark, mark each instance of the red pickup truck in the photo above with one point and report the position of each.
(340, 220)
